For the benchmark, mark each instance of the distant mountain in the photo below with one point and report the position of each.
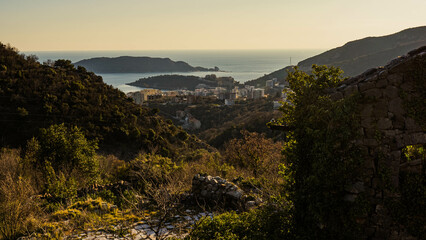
(356, 56)
(126, 64)
(280, 75)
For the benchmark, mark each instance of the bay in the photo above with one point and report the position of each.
(242, 65)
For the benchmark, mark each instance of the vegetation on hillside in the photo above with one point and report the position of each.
(60, 178)
(174, 81)
(220, 124)
(319, 160)
(35, 96)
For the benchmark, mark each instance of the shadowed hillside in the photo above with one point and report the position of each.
(35, 96)
(356, 56)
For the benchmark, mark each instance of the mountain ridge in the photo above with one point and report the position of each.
(355, 56)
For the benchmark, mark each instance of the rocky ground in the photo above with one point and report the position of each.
(151, 229)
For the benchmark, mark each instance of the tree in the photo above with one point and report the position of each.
(68, 152)
(253, 152)
(320, 155)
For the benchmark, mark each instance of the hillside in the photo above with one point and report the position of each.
(173, 82)
(35, 96)
(220, 124)
(126, 64)
(280, 75)
(356, 56)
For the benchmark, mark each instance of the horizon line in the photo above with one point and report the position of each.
(225, 49)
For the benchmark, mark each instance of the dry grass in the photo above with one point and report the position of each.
(17, 207)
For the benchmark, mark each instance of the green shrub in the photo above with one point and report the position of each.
(267, 223)
(60, 188)
(66, 214)
(148, 168)
(321, 158)
(68, 151)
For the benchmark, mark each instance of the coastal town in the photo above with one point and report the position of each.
(227, 94)
(221, 96)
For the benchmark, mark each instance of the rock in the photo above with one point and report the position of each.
(355, 188)
(350, 197)
(381, 83)
(351, 90)
(364, 86)
(250, 205)
(395, 106)
(236, 194)
(384, 123)
(373, 93)
(336, 96)
(391, 92)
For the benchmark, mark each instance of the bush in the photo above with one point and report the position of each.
(148, 168)
(266, 223)
(255, 153)
(69, 152)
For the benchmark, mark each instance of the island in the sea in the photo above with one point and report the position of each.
(127, 64)
(173, 82)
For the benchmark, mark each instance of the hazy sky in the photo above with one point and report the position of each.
(32, 25)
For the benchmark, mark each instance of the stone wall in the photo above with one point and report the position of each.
(386, 128)
(220, 192)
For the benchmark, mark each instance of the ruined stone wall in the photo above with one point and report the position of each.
(386, 128)
(220, 192)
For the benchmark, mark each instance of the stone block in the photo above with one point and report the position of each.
(407, 86)
(355, 188)
(383, 74)
(398, 122)
(411, 125)
(367, 122)
(364, 86)
(419, 138)
(399, 141)
(367, 110)
(373, 93)
(395, 106)
(350, 90)
(370, 133)
(350, 197)
(394, 79)
(391, 92)
(384, 123)
(336, 96)
(390, 133)
(381, 109)
(381, 83)
(371, 142)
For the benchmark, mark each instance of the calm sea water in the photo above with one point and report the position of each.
(242, 65)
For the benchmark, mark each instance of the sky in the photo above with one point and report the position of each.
(62, 25)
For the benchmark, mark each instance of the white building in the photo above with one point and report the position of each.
(258, 93)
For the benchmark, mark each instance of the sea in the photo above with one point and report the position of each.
(242, 65)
